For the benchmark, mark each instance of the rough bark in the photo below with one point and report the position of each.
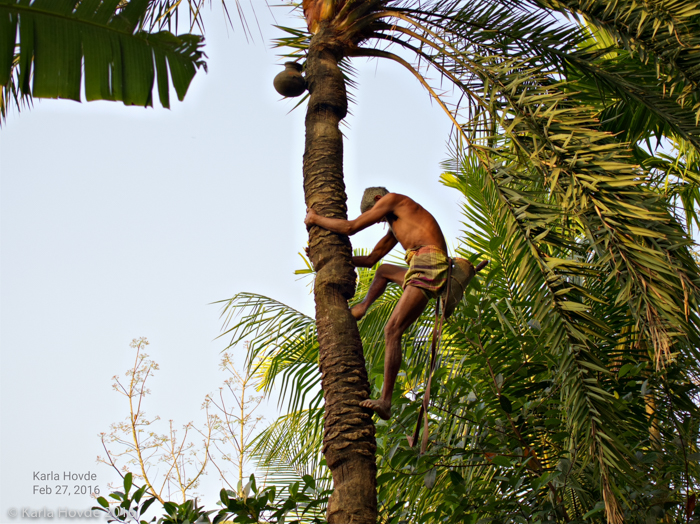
(348, 441)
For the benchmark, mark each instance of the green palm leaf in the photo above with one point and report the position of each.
(661, 32)
(282, 345)
(47, 45)
(291, 448)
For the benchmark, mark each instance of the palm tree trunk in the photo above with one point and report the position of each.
(348, 440)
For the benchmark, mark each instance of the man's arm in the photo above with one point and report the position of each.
(382, 208)
(383, 247)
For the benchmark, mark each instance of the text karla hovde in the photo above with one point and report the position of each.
(63, 475)
(45, 513)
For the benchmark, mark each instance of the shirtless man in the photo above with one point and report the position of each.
(426, 254)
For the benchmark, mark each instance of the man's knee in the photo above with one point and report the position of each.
(383, 270)
(391, 273)
(392, 330)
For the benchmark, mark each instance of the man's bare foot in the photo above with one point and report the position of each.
(383, 409)
(358, 311)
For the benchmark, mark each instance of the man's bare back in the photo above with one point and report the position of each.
(412, 225)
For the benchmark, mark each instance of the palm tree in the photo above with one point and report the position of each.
(508, 62)
(542, 108)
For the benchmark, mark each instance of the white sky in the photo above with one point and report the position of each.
(119, 222)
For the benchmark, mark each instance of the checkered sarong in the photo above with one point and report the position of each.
(427, 269)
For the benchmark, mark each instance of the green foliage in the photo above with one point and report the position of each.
(126, 508)
(186, 513)
(298, 503)
(300, 506)
(661, 33)
(46, 45)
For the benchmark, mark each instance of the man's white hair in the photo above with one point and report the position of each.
(369, 195)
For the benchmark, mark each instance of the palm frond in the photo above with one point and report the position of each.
(291, 448)
(660, 32)
(46, 46)
(281, 341)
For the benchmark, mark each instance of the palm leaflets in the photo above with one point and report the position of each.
(46, 45)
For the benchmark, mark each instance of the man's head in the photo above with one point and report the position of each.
(370, 197)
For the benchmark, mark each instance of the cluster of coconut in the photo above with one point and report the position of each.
(290, 82)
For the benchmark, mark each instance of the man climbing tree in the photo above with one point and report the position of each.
(425, 278)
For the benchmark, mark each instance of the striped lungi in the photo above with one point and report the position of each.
(427, 270)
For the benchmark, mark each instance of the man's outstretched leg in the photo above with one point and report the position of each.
(410, 306)
(385, 273)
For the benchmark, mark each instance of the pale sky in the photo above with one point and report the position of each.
(120, 222)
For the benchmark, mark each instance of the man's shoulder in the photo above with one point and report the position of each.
(398, 204)
(405, 202)
(398, 198)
